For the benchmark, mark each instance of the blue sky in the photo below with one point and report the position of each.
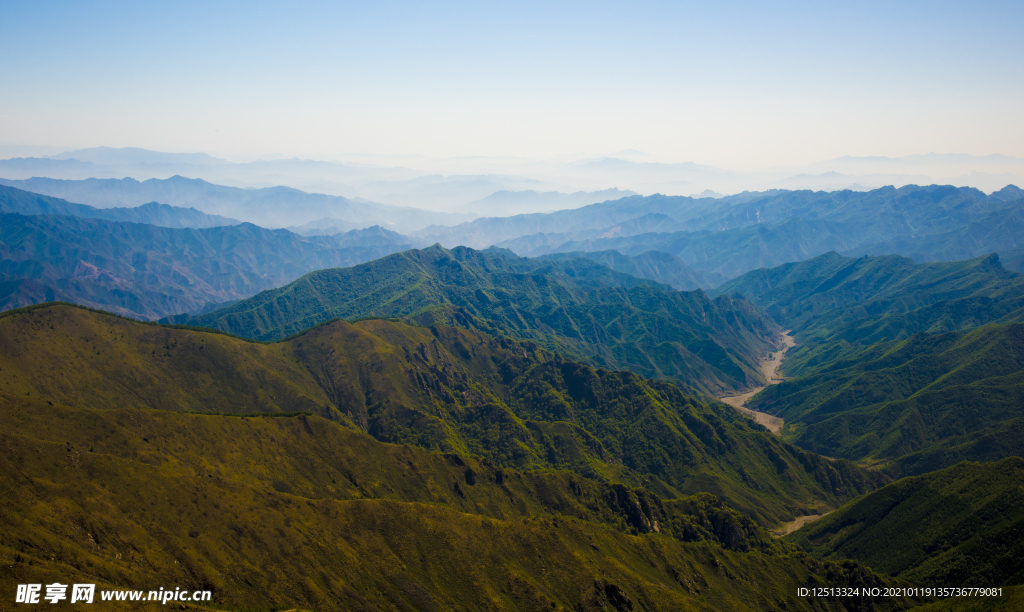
(734, 84)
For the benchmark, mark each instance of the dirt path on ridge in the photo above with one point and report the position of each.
(770, 369)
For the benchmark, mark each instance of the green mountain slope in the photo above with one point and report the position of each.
(27, 203)
(274, 513)
(922, 403)
(718, 253)
(439, 388)
(899, 363)
(654, 265)
(960, 526)
(829, 292)
(576, 307)
(147, 271)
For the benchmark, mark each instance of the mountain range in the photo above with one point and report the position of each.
(654, 265)
(576, 307)
(14, 200)
(732, 235)
(338, 411)
(913, 367)
(147, 271)
(960, 525)
(507, 203)
(305, 502)
(267, 207)
(450, 183)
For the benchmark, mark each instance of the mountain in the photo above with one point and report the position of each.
(732, 235)
(1001, 231)
(913, 367)
(327, 226)
(958, 526)
(27, 203)
(147, 271)
(161, 474)
(132, 156)
(575, 307)
(654, 265)
(601, 217)
(437, 388)
(40, 166)
(507, 203)
(1013, 260)
(915, 405)
(721, 254)
(873, 297)
(268, 207)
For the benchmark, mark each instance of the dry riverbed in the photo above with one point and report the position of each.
(770, 369)
(788, 528)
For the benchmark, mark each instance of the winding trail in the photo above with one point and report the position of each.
(770, 369)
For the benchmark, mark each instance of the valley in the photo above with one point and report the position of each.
(301, 454)
(770, 366)
(349, 417)
(512, 307)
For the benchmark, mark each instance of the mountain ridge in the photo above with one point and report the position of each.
(147, 271)
(13, 200)
(577, 307)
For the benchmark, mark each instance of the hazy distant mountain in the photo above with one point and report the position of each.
(268, 207)
(148, 272)
(25, 167)
(507, 203)
(14, 200)
(708, 193)
(446, 192)
(732, 235)
(327, 226)
(835, 181)
(129, 156)
(397, 186)
(1001, 231)
(601, 218)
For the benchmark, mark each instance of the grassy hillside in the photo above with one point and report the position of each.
(889, 295)
(576, 307)
(439, 388)
(1011, 600)
(956, 527)
(274, 513)
(919, 404)
(913, 366)
(148, 272)
(654, 265)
